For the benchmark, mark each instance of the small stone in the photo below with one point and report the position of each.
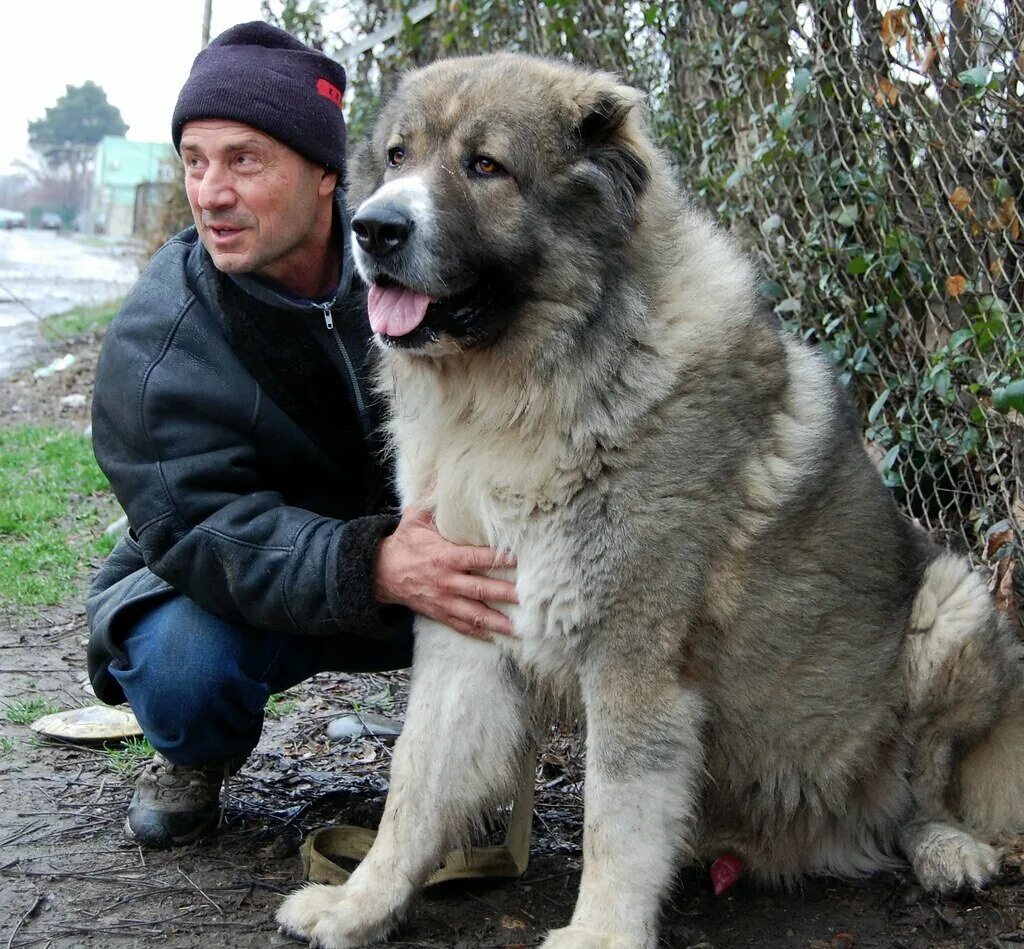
(363, 725)
(286, 764)
(118, 527)
(55, 365)
(74, 401)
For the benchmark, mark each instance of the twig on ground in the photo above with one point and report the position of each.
(18, 834)
(200, 890)
(28, 912)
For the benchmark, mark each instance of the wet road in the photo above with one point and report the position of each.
(43, 273)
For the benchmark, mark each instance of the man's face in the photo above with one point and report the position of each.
(254, 200)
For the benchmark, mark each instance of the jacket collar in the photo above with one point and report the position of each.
(281, 299)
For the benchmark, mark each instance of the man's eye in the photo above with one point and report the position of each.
(483, 165)
(396, 156)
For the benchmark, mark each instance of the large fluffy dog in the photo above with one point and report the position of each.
(770, 659)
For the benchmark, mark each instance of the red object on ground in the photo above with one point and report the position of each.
(725, 873)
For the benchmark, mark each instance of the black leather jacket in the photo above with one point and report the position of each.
(237, 430)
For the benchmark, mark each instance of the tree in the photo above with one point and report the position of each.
(67, 136)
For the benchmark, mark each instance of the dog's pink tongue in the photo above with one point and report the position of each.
(396, 311)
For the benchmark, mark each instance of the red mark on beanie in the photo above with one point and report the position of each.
(329, 91)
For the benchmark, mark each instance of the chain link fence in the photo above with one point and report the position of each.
(870, 155)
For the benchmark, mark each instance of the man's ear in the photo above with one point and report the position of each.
(611, 137)
(328, 182)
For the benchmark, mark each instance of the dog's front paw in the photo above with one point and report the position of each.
(949, 859)
(573, 937)
(299, 914)
(334, 917)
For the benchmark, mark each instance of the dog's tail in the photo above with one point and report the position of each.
(966, 684)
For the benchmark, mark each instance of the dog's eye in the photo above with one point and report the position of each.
(396, 156)
(485, 166)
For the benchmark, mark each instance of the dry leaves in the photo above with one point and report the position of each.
(896, 26)
(928, 58)
(997, 540)
(956, 284)
(1006, 602)
(1007, 219)
(960, 198)
(886, 93)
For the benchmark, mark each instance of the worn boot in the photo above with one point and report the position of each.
(174, 804)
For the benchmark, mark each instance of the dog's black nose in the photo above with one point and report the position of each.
(382, 228)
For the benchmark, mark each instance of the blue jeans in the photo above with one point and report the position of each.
(198, 684)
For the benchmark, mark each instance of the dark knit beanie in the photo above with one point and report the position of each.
(261, 76)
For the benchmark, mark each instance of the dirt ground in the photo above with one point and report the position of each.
(70, 879)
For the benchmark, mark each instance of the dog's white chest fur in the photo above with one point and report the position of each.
(493, 488)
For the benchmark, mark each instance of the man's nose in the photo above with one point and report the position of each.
(382, 228)
(215, 190)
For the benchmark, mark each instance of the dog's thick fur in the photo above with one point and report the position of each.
(770, 659)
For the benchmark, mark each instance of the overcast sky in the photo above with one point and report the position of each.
(139, 51)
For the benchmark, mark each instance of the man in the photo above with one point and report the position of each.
(233, 417)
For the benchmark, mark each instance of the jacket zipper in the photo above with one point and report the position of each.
(329, 322)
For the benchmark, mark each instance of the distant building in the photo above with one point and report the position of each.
(129, 182)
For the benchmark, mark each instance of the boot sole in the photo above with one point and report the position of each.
(168, 843)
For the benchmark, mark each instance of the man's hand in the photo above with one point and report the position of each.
(418, 568)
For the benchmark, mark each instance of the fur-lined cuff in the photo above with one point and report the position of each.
(360, 613)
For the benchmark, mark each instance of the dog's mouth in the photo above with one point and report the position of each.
(408, 318)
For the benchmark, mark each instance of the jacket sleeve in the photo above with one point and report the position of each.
(173, 419)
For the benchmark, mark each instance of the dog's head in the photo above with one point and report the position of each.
(491, 184)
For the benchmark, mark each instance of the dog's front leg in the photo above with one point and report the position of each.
(460, 751)
(644, 765)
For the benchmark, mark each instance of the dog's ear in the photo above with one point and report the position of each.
(611, 136)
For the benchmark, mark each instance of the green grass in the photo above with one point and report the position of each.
(6, 745)
(50, 521)
(26, 711)
(278, 706)
(79, 320)
(127, 759)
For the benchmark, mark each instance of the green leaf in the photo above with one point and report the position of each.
(801, 81)
(1009, 397)
(735, 178)
(960, 337)
(873, 325)
(976, 77)
(772, 289)
(890, 458)
(941, 379)
(858, 265)
(877, 406)
(786, 118)
(846, 215)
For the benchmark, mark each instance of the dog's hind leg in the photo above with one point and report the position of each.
(991, 775)
(460, 751)
(961, 676)
(644, 766)
(945, 855)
